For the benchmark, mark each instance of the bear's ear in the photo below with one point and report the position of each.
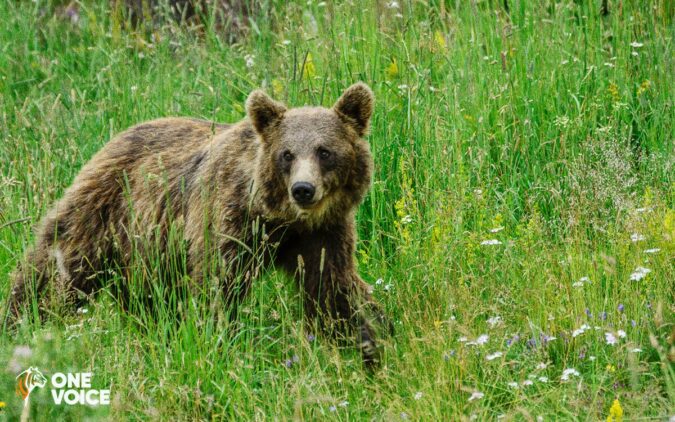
(356, 106)
(263, 111)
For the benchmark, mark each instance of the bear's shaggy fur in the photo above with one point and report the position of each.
(297, 173)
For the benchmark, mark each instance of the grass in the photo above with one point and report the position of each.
(549, 129)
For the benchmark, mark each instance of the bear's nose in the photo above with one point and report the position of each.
(303, 192)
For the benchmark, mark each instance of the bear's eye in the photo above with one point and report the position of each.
(324, 154)
(288, 156)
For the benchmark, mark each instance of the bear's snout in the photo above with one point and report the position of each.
(303, 192)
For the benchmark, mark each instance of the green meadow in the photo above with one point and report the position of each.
(519, 232)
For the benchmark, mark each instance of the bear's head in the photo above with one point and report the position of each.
(314, 163)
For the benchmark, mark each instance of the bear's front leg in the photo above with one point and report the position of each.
(324, 266)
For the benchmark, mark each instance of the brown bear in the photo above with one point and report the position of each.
(289, 178)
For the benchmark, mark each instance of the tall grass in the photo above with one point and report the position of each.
(524, 163)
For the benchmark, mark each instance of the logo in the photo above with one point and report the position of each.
(70, 388)
(27, 381)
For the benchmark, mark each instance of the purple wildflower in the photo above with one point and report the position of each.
(633, 323)
(310, 338)
(545, 339)
(603, 316)
(588, 313)
(513, 340)
(532, 343)
(620, 307)
(582, 354)
(290, 362)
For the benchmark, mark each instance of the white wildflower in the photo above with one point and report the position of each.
(541, 365)
(561, 121)
(250, 60)
(393, 5)
(491, 242)
(636, 44)
(636, 350)
(418, 395)
(579, 331)
(569, 372)
(639, 273)
(653, 250)
(494, 356)
(512, 384)
(610, 339)
(621, 333)
(527, 383)
(494, 321)
(481, 340)
(637, 237)
(543, 379)
(476, 395)
(497, 229)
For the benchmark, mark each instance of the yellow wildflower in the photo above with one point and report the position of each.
(308, 71)
(392, 70)
(2, 404)
(614, 92)
(615, 412)
(277, 88)
(644, 86)
(439, 40)
(610, 368)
